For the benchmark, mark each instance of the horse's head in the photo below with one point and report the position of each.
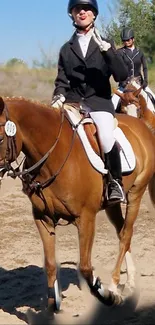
(130, 103)
(7, 139)
(134, 81)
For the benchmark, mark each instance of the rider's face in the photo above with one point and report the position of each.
(83, 15)
(129, 42)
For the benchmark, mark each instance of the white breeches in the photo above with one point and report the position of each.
(105, 126)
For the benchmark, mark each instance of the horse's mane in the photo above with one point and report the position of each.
(26, 100)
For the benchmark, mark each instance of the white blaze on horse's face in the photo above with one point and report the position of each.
(131, 110)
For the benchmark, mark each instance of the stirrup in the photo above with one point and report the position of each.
(114, 192)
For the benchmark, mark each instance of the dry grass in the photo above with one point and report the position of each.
(38, 84)
(30, 83)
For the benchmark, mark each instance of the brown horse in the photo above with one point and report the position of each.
(136, 102)
(61, 183)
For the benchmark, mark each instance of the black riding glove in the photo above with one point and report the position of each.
(144, 84)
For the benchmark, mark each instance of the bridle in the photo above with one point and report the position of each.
(11, 149)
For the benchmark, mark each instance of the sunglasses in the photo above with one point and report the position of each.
(127, 40)
(83, 7)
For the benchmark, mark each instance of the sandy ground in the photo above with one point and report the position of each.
(22, 277)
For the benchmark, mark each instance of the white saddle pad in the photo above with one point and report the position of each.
(128, 159)
(127, 156)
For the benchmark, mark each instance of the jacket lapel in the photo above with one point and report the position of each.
(91, 48)
(76, 47)
(77, 50)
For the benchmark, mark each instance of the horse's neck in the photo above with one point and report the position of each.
(148, 101)
(147, 114)
(37, 126)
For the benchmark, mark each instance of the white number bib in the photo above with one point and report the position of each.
(10, 128)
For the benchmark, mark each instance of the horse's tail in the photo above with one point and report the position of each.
(151, 188)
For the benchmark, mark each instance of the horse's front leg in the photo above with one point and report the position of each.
(125, 235)
(86, 230)
(114, 214)
(47, 234)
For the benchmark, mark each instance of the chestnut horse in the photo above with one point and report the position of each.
(136, 102)
(61, 183)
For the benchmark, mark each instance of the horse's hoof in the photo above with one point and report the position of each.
(112, 299)
(106, 296)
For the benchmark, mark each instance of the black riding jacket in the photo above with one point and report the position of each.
(136, 61)
(86, 79)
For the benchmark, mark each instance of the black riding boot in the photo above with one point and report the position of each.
(114, 187)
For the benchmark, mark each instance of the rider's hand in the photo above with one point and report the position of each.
(103, 45)
(57, 101)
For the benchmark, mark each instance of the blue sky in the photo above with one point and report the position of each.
(26, 26)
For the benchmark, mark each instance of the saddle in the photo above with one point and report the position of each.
(81, 111)
(79, 118)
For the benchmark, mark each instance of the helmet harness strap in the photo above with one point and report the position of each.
(91, 25)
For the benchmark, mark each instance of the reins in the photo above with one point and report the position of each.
(26, 174)
(41, 162)
(37, 185)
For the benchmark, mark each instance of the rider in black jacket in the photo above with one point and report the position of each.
(86, 63)
(133, 57)
(135, 61)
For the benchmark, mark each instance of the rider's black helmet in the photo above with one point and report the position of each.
(126, 33)
(74, 3)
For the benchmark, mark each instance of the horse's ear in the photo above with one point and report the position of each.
(121, 95)
(137, 92)
(1, 105)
